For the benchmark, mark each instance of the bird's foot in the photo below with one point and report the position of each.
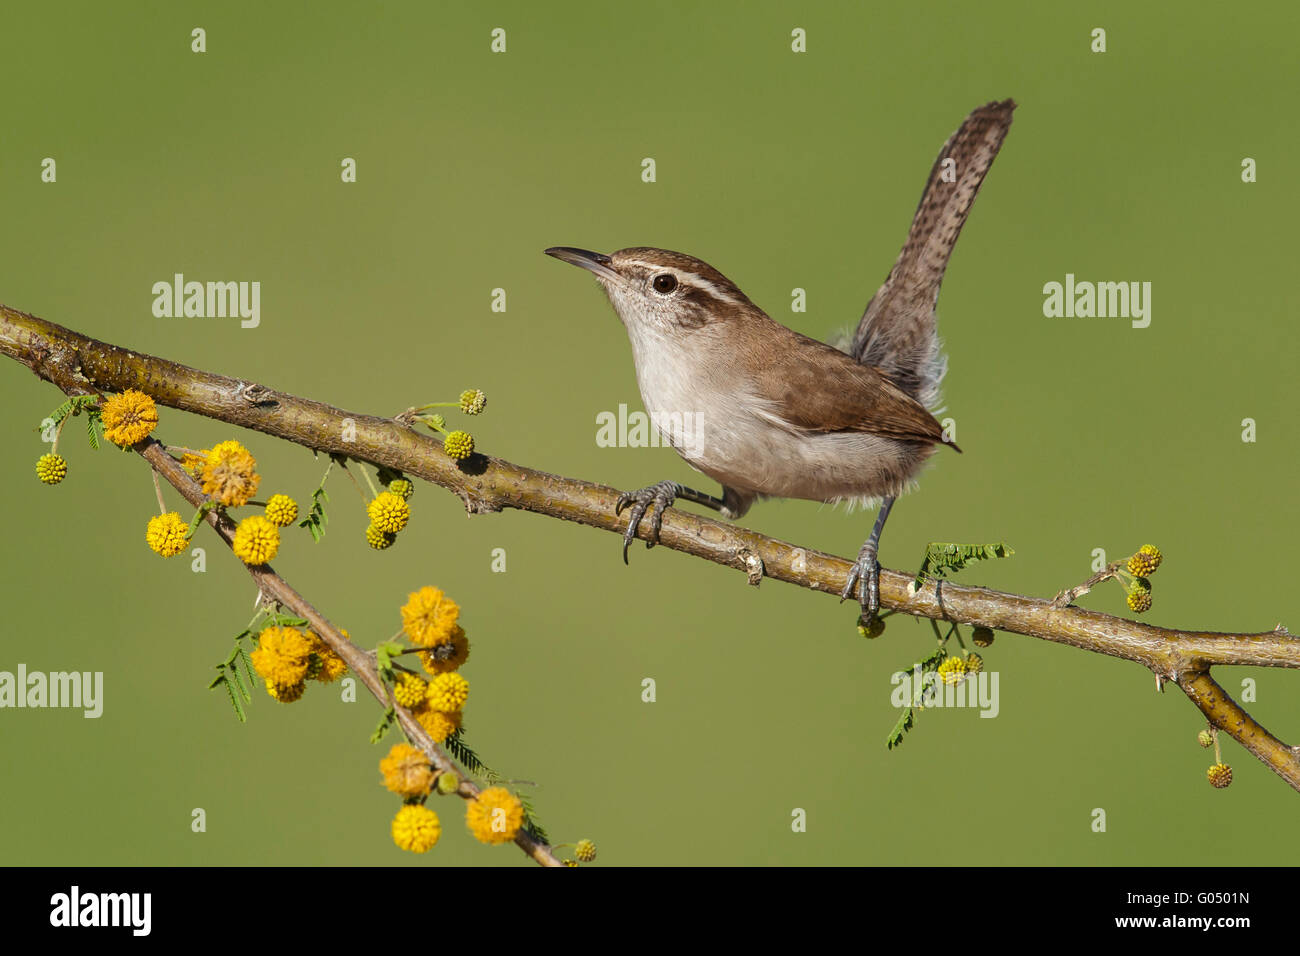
(866, 575)
(661, 495)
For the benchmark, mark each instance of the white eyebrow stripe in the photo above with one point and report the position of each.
(692, 278)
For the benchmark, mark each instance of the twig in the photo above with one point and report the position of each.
(487, 484)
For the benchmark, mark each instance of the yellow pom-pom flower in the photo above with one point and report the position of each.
(472, 401)
(282, 656)
(447, 692)
(1139, 595)
(1144, 563)
(974, 663)
(429, 617)
(129, 417)
(447, 657)
(439, 725)
(1205, 738)
(873, 628)
(256, 540)
(286, 693)
(458, 445)
(402, 487)
(194, 462)
(378, 538)
(406, 771)
(51, 468)
(328, 666)
(409, 690)
(167, 534)
(585, 851)
(952, 670)
(389, 512)
(495, 815)
(416, 828)
(230, 474)
(1219, 775)
(281, 511)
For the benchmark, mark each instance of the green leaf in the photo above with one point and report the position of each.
(943, 558)
(907, 718)
(385, 724)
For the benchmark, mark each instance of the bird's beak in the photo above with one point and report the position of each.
(591, 261)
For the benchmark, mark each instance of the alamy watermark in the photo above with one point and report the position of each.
(208, 300)
(75, 689)
(928, 689)
(1084, 300)
(659, 429)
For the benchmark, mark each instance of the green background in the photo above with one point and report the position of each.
(782, 170)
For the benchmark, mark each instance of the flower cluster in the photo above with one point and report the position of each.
(129, 417)
(230, 474)
(1134, 577)
(167, 534)
(51, 468)
(286, 658)
(281, 511)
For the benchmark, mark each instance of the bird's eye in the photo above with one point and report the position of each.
(664, 283)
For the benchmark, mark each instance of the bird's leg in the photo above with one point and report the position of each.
(662, 496)
(866, 572)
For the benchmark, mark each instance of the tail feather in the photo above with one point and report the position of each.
(898, 332)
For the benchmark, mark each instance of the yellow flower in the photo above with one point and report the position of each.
(193, 462)
(167, 534)
(406, 771)
(1144, 563)
(229, 474)
(495, 815)
(1139, 596)
(449, 656)
(282, 656)
(378, 538)
(409, 690)
(402, 487)
(429, 616)
(281, 510)
(585, 851)
(458, 445)
(286, 693)
(439, 725)
(256, 540)
(129, 417)
(328, 666)
(51, 469)
(389, 512)
(1205, 738)
(447, 692)
(472, 401)
(416, 828)
(974, 663)
(1219, 775)
(952, 670)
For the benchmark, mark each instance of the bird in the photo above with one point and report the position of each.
(769, 412)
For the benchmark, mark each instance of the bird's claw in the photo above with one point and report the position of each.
(865, 573)
(661, 495)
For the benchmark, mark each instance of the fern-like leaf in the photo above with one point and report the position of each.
(943, 558)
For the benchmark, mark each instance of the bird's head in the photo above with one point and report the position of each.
(659, 291)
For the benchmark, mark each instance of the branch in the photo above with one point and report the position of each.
(487, 484)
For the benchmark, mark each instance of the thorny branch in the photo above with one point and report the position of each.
(75, 362)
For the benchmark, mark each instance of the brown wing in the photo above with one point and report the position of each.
(897, 333)
(814, 387)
